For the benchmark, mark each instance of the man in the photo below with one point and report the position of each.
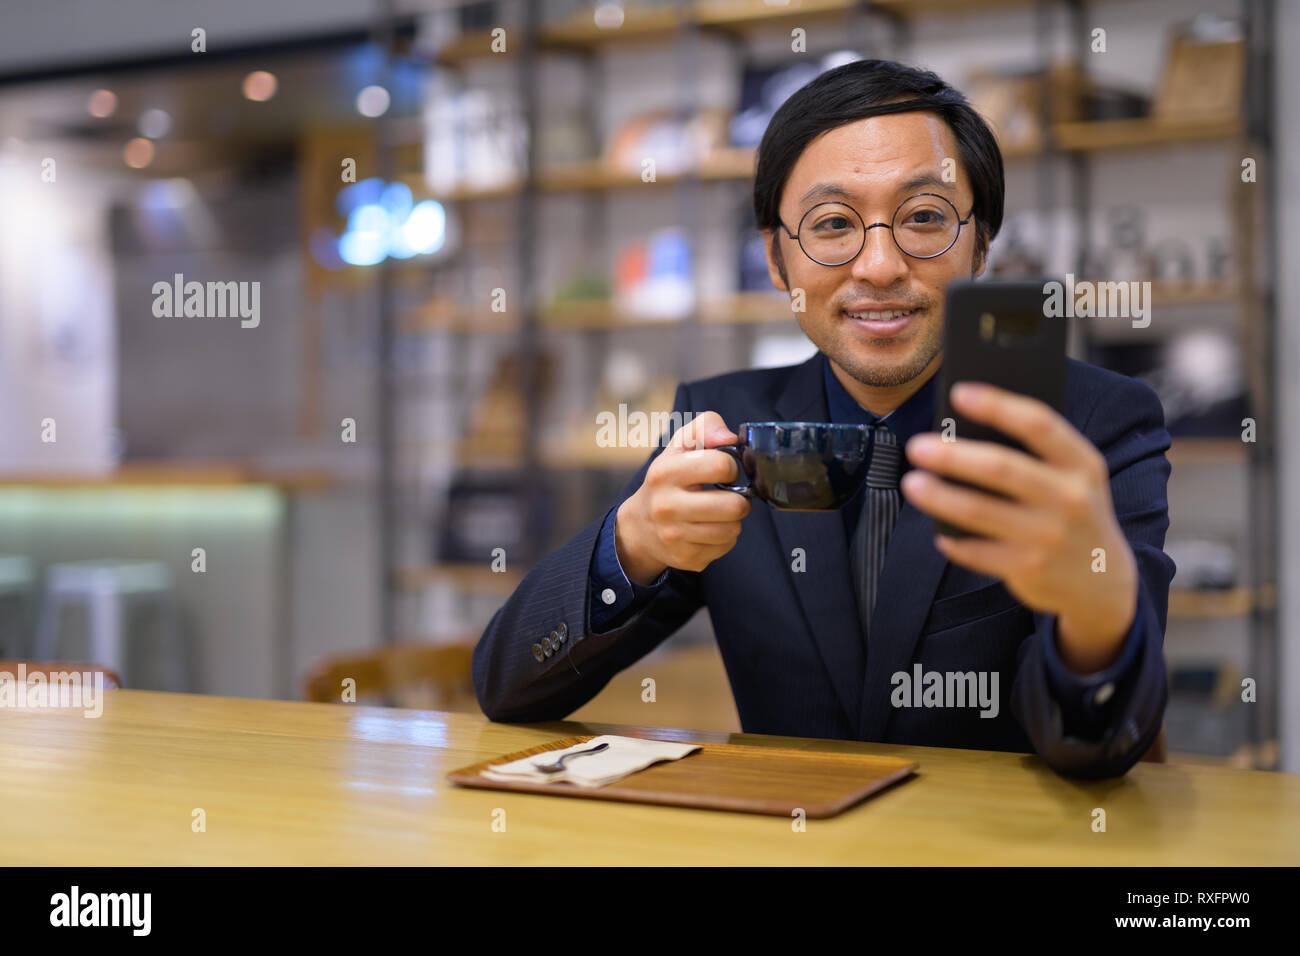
(1045, 632)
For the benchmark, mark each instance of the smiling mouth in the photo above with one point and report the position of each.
(885, 324)
(886, 316)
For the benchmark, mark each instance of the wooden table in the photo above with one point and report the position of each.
(296, 783)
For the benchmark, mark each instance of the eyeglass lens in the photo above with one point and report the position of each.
(924, 226)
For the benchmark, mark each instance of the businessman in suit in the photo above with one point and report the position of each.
(876, 184)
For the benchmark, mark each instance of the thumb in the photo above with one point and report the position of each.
(705, 430)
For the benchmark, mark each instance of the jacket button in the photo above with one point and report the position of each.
(562, 630)
(546, 646)
(539, 653)
(556, 638)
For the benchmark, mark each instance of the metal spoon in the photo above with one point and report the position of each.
(559, 764)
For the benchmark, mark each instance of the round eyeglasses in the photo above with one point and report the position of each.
(923, 226)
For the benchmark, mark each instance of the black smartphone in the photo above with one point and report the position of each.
(996, 332)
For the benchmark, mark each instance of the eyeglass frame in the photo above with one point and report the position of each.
(888, 225)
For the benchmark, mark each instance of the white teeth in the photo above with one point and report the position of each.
(879, 316)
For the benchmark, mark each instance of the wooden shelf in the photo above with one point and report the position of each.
(576, 451)
(644, 23)
(179, 474)
(917, 8)
(473, 45)
(1142, 132)
(640, 23)
(470, 578)
(597, 314)
(724, 164)
(440, 315)
(743, 16)
(732, 163)
(1207, 451)
(1206, 292)
(748, 308)
(1186, 603)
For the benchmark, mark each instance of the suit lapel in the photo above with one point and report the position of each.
(908, 582)
(824, 588)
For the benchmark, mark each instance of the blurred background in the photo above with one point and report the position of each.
(437, 247)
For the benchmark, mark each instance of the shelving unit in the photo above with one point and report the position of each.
(1062, 163)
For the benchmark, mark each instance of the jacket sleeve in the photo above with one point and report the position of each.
(516, 681)
(1101, 725)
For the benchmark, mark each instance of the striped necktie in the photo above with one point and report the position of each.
(880, 505)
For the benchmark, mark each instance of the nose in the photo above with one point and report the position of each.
(880, 262)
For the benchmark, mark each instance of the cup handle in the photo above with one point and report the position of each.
(735, 451)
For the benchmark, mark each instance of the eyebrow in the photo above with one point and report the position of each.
(835, 190)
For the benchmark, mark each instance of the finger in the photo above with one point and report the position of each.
(1035, 424)
(970, 509)
(987, 464)
(993, 558)
(705, 430)
(701, 467)
(711, 532)
(707, 505)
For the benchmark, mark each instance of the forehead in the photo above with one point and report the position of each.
(876, 157)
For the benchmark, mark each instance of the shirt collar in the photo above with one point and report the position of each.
(912, 417)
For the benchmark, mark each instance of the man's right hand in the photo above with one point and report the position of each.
(672, 522)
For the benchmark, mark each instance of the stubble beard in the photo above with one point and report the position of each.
(862, 369)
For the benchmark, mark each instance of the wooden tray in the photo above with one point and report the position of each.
(725, 777)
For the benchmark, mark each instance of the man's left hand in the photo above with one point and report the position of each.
(1042, 529)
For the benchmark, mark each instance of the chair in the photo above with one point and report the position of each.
(17, 585)
(108, 590)
(417, 675)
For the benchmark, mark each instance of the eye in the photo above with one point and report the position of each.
(833, 224)
(928, 218)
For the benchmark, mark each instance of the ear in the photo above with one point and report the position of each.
(774, 266)
(979, 261)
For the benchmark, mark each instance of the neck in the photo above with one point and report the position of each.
(880, 400)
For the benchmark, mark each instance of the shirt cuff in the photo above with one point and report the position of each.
(613, 595)
(1086, 699)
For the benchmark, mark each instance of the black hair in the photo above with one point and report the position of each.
(866, 88)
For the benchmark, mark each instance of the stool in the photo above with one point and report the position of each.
(17, 584)
(108, 589)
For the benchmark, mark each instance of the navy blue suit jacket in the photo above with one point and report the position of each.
(790, 639)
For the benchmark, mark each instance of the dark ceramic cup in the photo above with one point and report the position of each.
(800, 466)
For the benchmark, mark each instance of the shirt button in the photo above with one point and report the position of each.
(1104, 693)
(608, 596)
(539, 653)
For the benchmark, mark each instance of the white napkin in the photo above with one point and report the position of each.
(623, 756)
